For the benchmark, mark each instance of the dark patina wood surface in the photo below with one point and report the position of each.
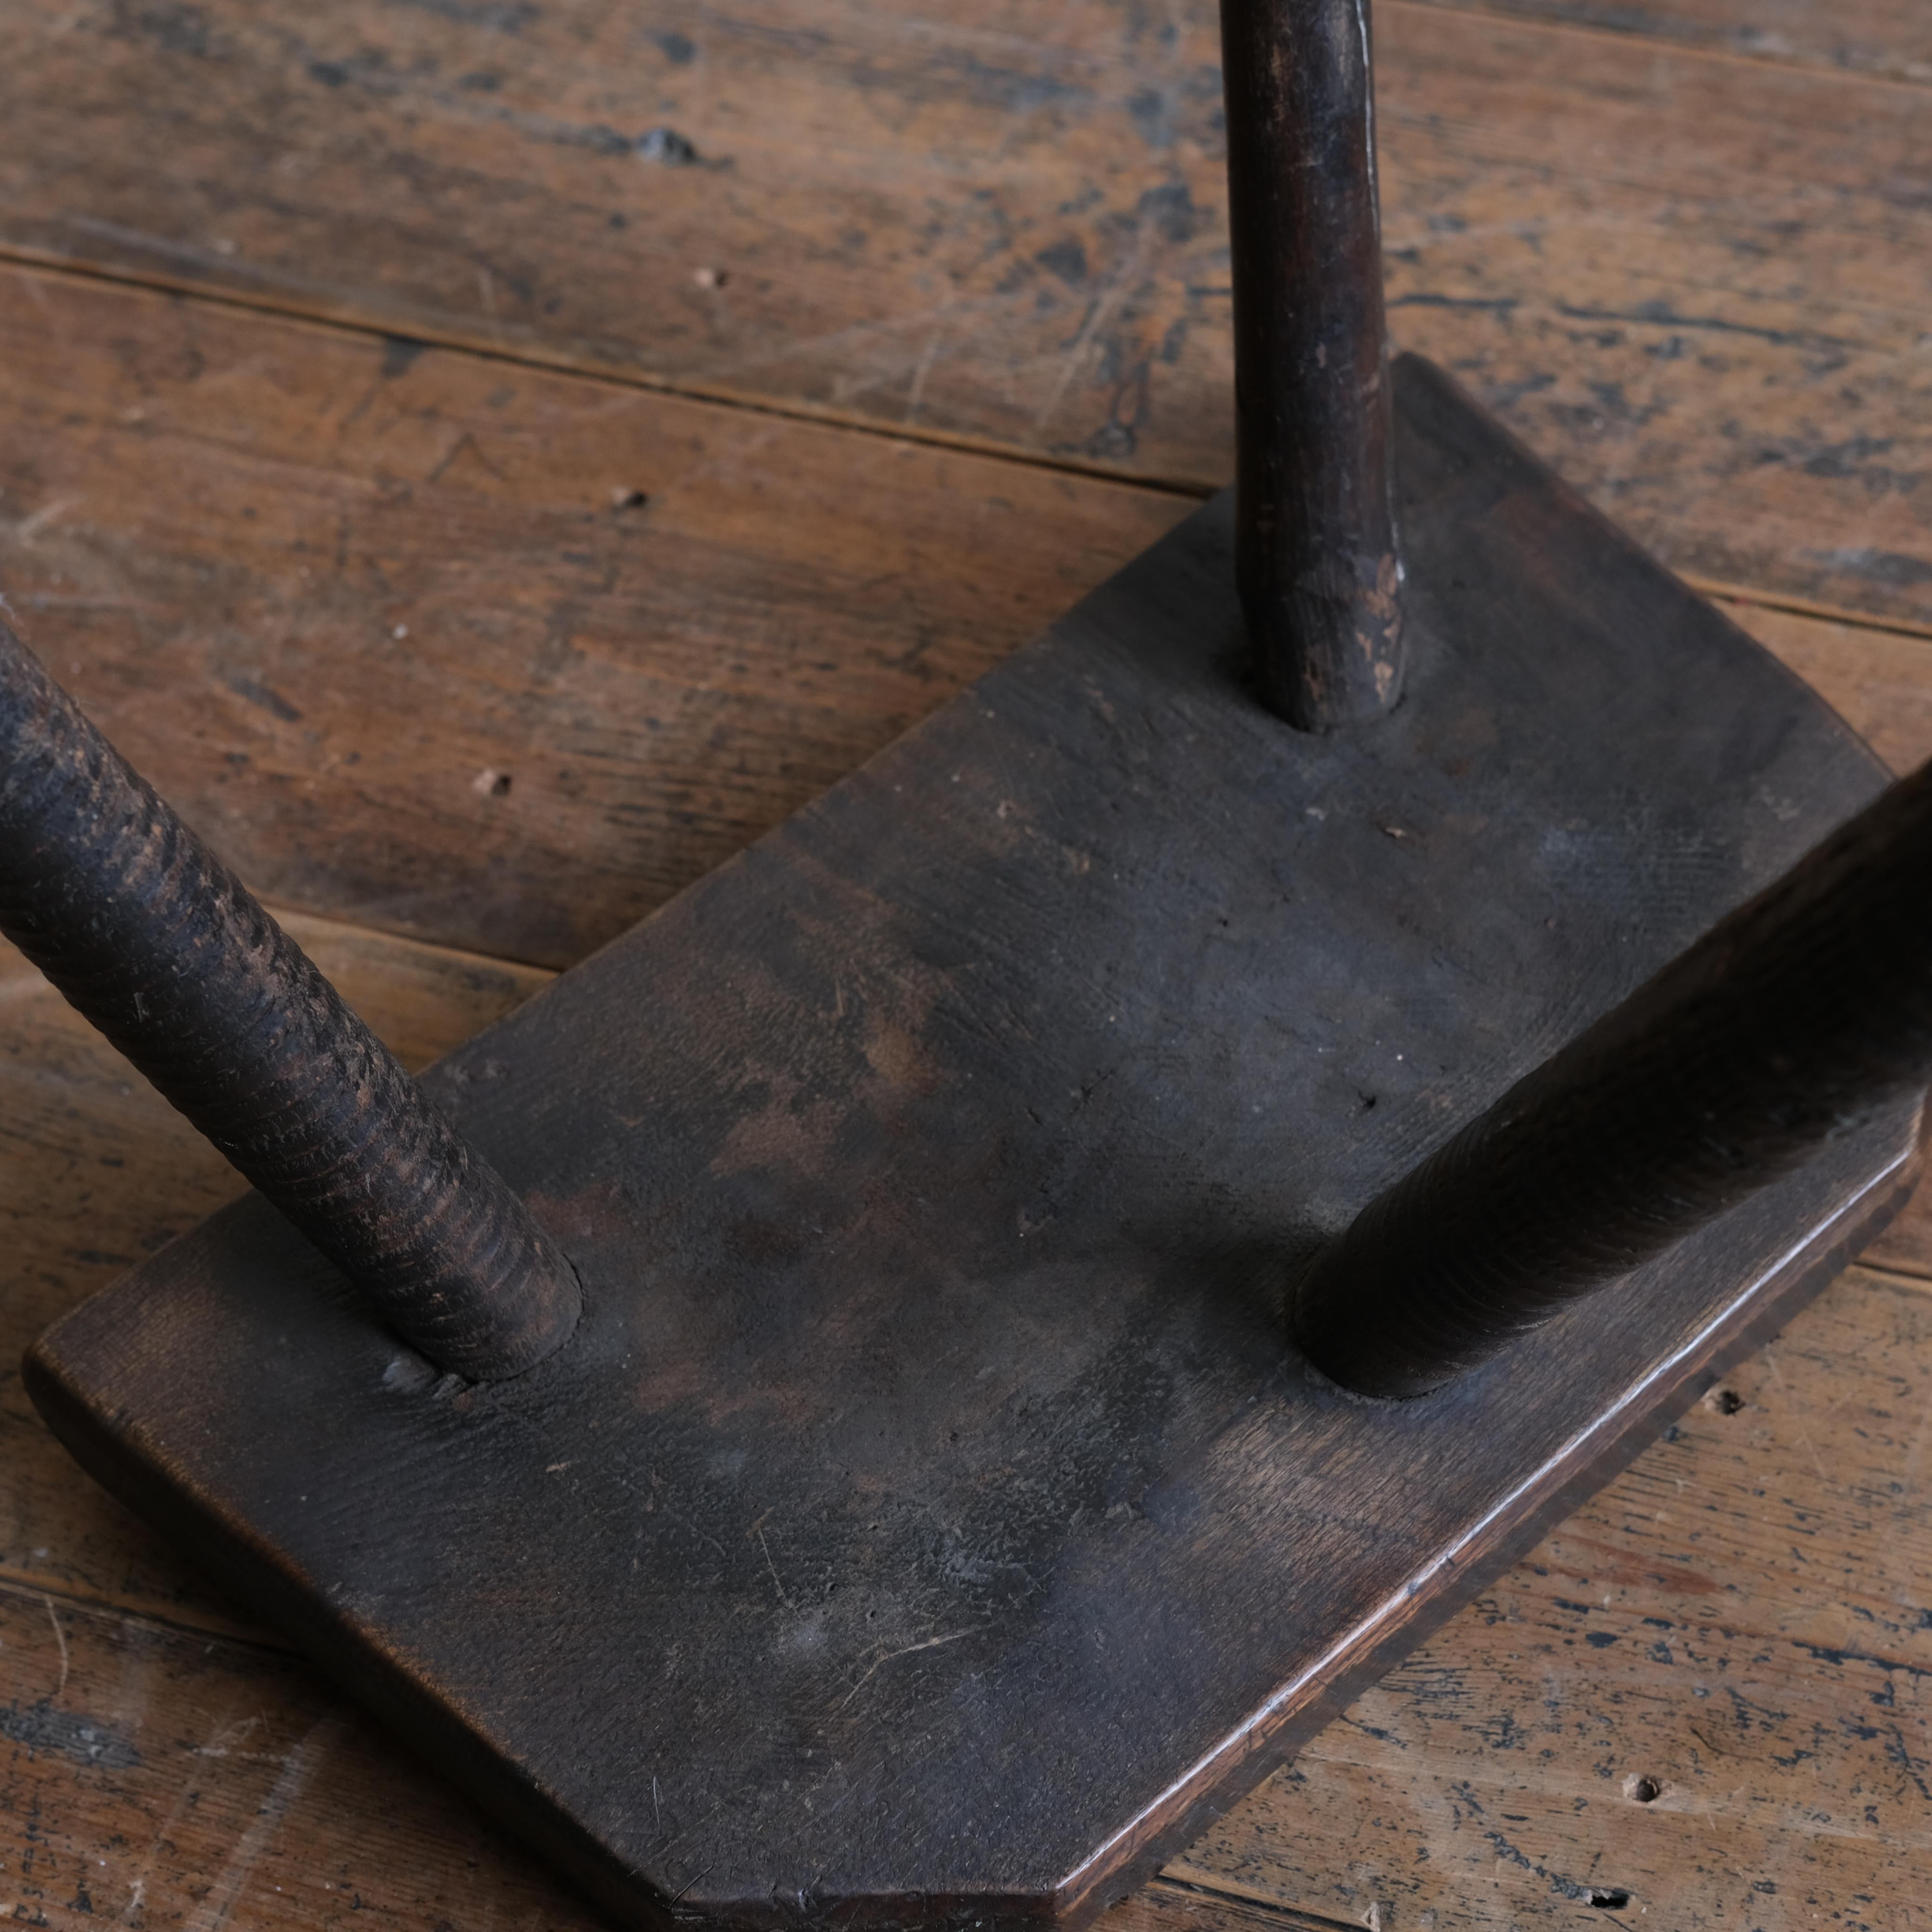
(1315, 552)
(1694, 282)
(1795, 1020)
(924, 1523)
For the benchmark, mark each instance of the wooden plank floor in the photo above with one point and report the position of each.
(1698, 284)
(382, 424)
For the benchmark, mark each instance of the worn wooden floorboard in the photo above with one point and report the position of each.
(1741, 1617)
(1704, 302)
(214, 524)
(318, 587)
(1906, 1247)
(1891, 38)
(157, 1778)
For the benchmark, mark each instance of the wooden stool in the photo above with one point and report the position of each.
(897, 1389)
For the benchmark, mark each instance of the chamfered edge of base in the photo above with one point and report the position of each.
(1755, 1318)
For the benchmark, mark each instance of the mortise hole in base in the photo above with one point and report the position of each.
(1642, 1790)
(1610, 1898)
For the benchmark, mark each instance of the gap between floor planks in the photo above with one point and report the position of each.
(351, 323)
(1722, 462)
(352, 318)
(234, 535)
(1879, 39)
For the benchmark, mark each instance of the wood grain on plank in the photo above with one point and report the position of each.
(213, 525)
(1772, 1557)
(1889, 38)
(1703, 300)
(393, 632)
(1905, 1248)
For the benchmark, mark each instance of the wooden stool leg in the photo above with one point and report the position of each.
(152, 937)
(1790, 1023)
(1316, 549)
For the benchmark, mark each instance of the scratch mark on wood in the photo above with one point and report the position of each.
(931, 1643)
(774, 1569)
(60, 1638)
(303, 1762)
(28, 528)
(1126, 274)
(1783, 1389)
(928, 356)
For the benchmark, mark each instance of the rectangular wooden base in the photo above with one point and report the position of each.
(929, 1524)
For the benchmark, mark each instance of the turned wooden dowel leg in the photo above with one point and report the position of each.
(1316, 552)
(1788, 1025)
(162, 947)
